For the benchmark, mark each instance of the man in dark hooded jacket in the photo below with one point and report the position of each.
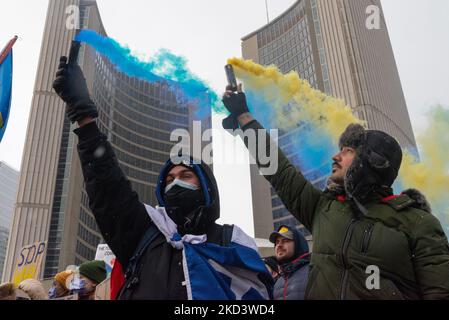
(368, 243)
(292, 254)
(187, 193)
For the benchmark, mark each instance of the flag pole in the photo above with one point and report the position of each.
(4, 53)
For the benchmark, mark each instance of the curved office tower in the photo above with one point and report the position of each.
(9, 181)
(329, 44)
(137, 117)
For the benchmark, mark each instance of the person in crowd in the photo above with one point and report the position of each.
(91, 274)
(292, 254)
(368, 242)
(59, 288)
(158, 249)
(34, 289)
(8, 291)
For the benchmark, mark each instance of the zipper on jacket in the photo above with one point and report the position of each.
(346, 242)
(366, 238)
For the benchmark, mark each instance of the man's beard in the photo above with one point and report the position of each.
(335, 187)
(285, 260)
(337, 176)
(336, 179)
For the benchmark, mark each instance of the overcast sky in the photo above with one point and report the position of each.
(207, 33)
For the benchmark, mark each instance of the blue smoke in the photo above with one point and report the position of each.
(163, 67)
(307, 147)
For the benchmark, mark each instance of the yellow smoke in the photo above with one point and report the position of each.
(431, 174)
(310, 105)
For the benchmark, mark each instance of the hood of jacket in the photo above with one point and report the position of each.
(205, 215)
(376, 164)
(301, 246)
(419, 198)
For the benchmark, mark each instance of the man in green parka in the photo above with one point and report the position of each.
(368, 243)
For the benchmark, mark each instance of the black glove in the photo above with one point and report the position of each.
(71, 86)
(236, 104)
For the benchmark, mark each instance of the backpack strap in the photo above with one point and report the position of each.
(227, 234)
(149, 236)
(151, 233)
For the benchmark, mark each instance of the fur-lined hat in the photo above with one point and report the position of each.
(8, 291)
(378, 160)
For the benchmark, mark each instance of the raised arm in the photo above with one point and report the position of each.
(120, 215)
(299, 195)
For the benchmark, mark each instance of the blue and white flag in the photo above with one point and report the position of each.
(213, 272)
(5, 85)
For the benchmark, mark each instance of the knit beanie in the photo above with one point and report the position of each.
(93, 270)
(62, 277)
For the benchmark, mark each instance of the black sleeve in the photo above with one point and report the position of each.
(121, 217)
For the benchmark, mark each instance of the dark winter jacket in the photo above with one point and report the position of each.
(123, 220)
(292, 282)
(405, 242)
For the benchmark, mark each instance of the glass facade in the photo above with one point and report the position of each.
(281, 216)
(321, 50)
(138, 118)
(9, 181)
(287, 44)
(59, 205)
(290, 42)
(326, 43)
(4, 234)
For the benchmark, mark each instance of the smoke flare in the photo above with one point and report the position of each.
(164, 66)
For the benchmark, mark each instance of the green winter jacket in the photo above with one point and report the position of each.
(405, 244)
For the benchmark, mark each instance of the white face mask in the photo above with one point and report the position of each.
(182, 184)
